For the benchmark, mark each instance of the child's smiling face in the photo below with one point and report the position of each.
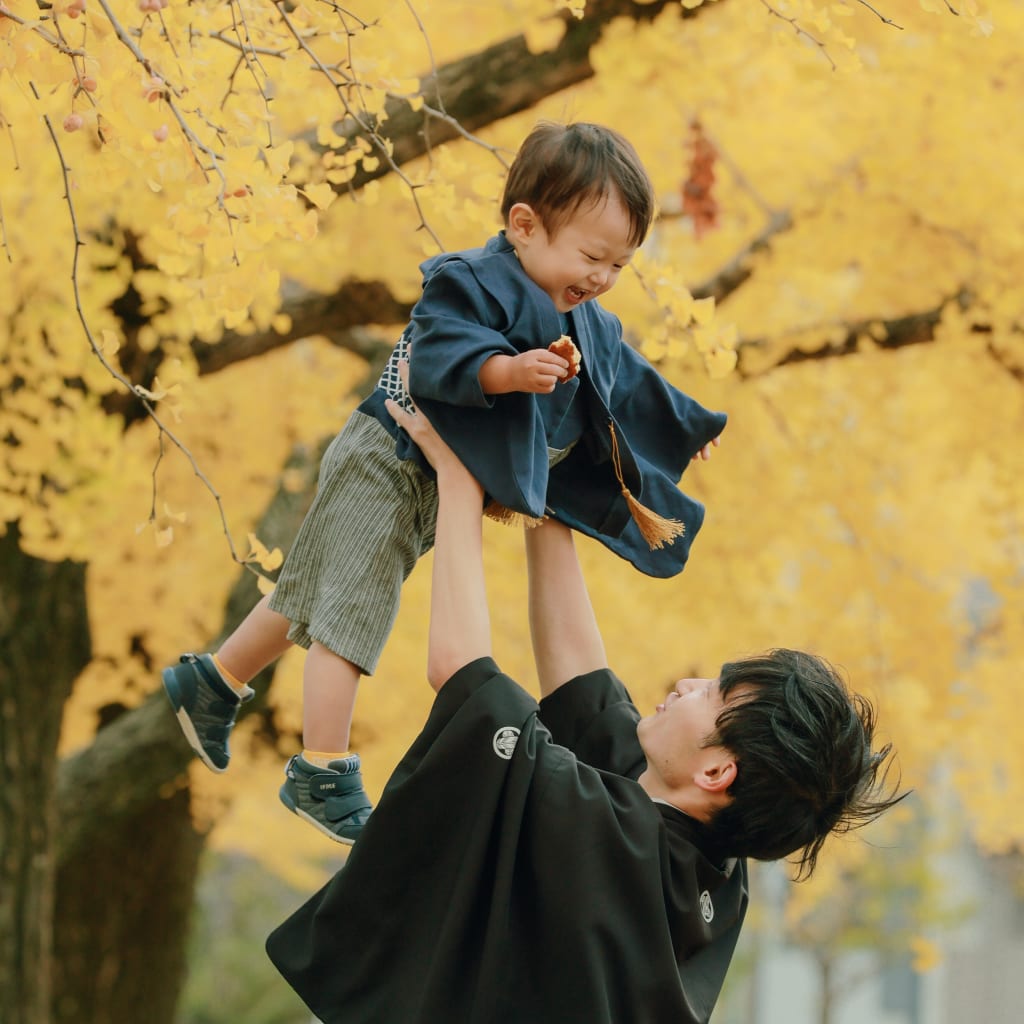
(582, 259)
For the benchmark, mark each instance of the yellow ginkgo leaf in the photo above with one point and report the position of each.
(703, 310)
(180, 517)
(109, 342)
(265, 558)
(278, 158)
(322, 195)
(153, 396)
(720, 362)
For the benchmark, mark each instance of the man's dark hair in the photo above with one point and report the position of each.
(805, 764)
(560, 168)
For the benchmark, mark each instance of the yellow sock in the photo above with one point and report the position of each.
(236, 684)
(322, 758)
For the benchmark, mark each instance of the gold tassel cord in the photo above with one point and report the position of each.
(655, 529)
(500, 514)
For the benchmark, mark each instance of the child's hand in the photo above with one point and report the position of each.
(705, 453)
(537, 371)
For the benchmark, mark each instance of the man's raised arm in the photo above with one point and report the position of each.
(460, 625)
(566, 638)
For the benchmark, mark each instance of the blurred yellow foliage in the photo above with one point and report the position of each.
(867, 506)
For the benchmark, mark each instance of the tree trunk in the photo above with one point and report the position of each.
(127, 855)
(44, 637)
(99, 936)
(120, 944)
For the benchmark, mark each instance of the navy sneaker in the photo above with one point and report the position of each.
(331, 799)
(206, 707)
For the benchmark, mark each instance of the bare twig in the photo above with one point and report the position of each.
(430, 52)
(237, 44)
(169, 95)
(252, 61)
(4, 123)
(881, 17)
(138, 392)
(54, 41)
(800, 31)
(344, 13)
(440, 115)
(368, 130)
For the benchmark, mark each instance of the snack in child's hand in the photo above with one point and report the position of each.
(565, 348)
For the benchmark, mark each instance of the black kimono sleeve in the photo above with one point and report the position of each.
(594, 716)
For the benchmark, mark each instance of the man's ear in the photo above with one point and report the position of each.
(718, 772)
(521, 224)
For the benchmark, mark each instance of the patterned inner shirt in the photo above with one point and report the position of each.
(390, 381)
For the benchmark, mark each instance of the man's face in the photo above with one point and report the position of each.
(674, 738)
(582, 259)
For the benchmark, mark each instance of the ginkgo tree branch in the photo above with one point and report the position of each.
(93, 781)
(844, 339)
(463, 95)
(497, 82)
(341, 317)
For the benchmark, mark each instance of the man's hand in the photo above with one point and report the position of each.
(421, 430)
(536, 372)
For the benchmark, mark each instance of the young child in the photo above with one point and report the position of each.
(601, 452)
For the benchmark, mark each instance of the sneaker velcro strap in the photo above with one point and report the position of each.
(324, 785)
(337, 808)
(217, 732)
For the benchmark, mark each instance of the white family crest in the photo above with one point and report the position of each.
(707, 908)
(505, 740)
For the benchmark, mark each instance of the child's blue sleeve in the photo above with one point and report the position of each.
(456, 327)
(658, 417)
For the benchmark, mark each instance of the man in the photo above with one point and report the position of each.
(570, 862)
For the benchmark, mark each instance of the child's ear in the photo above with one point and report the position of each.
(521, 224)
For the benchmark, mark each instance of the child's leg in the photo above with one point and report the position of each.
(324, 783)
(329, 685)
(261, 638)
(206, 690)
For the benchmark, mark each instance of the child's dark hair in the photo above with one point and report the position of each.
(805, 767)
(560, 168)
